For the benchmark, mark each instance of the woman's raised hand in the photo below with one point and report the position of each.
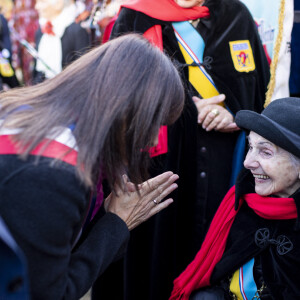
(133, 207)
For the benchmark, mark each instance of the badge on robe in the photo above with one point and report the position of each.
(242, 56)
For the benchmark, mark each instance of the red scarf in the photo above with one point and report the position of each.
(198, 272)
(165, 10)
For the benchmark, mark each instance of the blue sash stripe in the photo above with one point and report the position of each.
(192, 42)
(248, 286)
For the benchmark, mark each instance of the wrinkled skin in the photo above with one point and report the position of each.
(274, 171)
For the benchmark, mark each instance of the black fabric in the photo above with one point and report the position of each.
(279, 263)
(74, 42)
(44, 207)
(160, 249)
(279, 123)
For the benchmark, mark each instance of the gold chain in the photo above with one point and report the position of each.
(259, 291)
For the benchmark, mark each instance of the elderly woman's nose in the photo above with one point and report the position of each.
(250, 161)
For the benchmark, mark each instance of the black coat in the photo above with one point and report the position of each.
(161, 248)
(45, 207)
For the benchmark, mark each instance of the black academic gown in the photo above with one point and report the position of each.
(161, 248)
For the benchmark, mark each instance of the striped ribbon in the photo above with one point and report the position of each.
(62, 146)
(192, 47)
(242, 283)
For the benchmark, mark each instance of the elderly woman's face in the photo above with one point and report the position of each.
(272, 167)
(189, 3)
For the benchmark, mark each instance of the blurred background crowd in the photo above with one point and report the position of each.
(23, 18)
(22, 21)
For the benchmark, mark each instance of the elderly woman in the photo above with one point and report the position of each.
(253, 244)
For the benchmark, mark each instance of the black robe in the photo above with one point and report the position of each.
(162, 247)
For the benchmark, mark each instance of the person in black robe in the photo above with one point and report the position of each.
(203, 159)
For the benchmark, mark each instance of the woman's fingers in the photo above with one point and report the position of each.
(135, 208)
(219, 118)
(157, 183)
(230, 128)
(208, 101)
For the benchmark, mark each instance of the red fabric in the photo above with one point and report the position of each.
(154, 36)
(198, 272)
(54, 150)
(108, 29)
(162, 145)
(48, 28)
(167, 10)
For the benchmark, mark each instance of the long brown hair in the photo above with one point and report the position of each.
(118, 95)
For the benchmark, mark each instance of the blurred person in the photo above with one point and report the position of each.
(7, 73)
(251, 250)
(59, 39)
(55, 140)
(216, 46)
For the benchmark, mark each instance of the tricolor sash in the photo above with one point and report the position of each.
(62, 146)
(192, 47)
(242, 283)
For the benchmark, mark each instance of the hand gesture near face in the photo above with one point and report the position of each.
(213, 116)
(133, 207)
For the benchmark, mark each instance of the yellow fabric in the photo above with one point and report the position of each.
(274, 63)
(242, 55)
(235, 286)
(5, 68)
(196, 77)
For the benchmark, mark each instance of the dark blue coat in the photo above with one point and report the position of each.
(13, 271)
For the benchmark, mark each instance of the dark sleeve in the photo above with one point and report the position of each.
(75, 42)
(45, 207)
(131, 21)
(5, 42)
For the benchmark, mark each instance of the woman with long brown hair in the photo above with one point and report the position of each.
(101, 113)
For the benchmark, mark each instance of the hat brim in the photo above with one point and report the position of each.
(265, 127)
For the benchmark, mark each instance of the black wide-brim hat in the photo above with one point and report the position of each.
(279, 123)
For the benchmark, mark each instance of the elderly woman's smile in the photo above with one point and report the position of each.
(189, 3)
(274, 170)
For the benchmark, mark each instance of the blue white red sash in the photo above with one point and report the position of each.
(62, 146)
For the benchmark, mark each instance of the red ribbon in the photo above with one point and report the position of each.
(48, 28)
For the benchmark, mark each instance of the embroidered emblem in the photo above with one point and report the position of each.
(242, 56)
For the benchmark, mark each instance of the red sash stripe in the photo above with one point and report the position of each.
(53, 149)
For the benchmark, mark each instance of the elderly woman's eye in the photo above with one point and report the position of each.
(266, 153)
